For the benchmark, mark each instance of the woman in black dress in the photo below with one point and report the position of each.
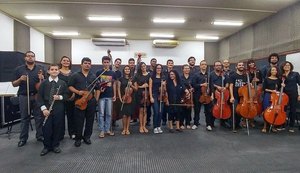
(176, 91)
(65, 73)
(141, 82)
(271, 84)
(125, 87)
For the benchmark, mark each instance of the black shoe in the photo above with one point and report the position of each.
(56, 150)
(40, 139)
(44, 152)
(87, 141)
(21, 143)
(179, 130)
(77, 143)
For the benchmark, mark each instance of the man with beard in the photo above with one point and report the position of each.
(216, 84)
(237, 80)
(117, 104)
(153, 62)
(27, 77)
(226, 68)
(192, 62)
(273, 62)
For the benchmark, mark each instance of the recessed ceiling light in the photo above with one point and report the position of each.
(161, 35)
(113, 34)
(228, 23)
(105, 18)
(59, 33)
(206, 37)
(168, 20)
(43, 17)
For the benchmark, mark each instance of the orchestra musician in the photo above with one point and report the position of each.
(216, 78)
(125, 93)
(175, 91)
(27, 77)
(201, 80)
(52, 100)
(170, 66)
(292, 80)
(193, 68)
(117, 104)
(81, 83)
(273, 61)
(153, 62)
(271, 84)
(65, 66)
(237, 80)
(186, 80)
(157, 81)
(107, 97)
(141, 82)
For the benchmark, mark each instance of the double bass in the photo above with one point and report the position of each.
(221, 109)
(275, 114)
(205, 97)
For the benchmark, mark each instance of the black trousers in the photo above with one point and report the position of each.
(69, 110)
(88, 116)
(186, 116)
(292, 106)
(53, 127)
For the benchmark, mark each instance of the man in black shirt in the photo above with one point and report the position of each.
(194, 69)
(81, 83)
(273, 62)
(237, 80)
(29, 75)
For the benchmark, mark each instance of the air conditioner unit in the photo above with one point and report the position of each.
(165, 43)
(109, 41)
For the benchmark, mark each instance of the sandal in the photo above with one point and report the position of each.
(264, 130)
(123, 132)
(145, 130)
(101, 135)
(141, 130)
(127, 132)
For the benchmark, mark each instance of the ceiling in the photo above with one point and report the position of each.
(138, 15)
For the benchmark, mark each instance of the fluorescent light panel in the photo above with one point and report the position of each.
(164, 41)
(105, 18)
(111, 34)
(71, 33)
(168, 20)
(161, 35)
(207, 37)
(228, 23)
(43, 17)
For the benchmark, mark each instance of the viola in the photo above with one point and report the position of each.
(247, 107)
(221, 109)
(205, 97)
(275, 114)
(83, 101)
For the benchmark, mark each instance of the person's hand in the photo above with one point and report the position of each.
(23, 78)
(46, 112)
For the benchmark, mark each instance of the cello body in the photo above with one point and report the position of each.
(247, 107)
(221, 109)
(275, 114)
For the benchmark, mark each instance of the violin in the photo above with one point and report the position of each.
(187, 99)
(127, 98)
(205, 97)
(221, 109)
(163, 96)
(275, 114)
(146, 98)
(247, 107)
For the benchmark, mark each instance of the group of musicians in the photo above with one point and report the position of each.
(234, 97)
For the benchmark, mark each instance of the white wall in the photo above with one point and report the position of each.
(37, 44)
(85, 48)
(295, 60)
(6, 33)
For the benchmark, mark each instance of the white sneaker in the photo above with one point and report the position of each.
(159, 130)
(194, 127)
(208, 128)
(155, 131)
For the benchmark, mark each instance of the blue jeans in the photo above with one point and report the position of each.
(105, 105)
(157, 115)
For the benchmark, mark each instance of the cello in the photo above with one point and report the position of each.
(247, 107)
(258, 93)
(205, 97)
(275, 114)
(221, 109)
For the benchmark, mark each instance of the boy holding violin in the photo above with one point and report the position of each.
(54, 100)
(83, 84)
